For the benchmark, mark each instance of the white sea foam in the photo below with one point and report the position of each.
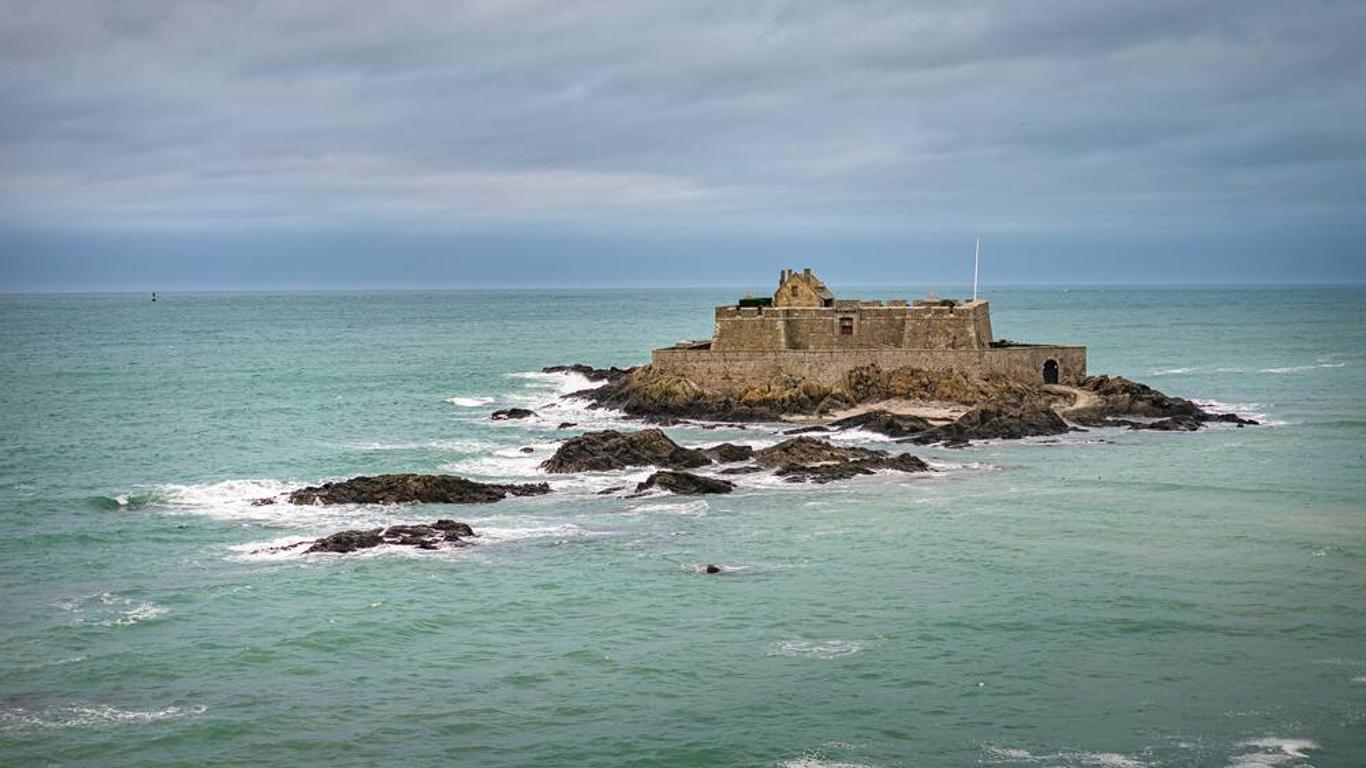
(997, 754)
(1254, 411)
(1170, 371)
(86, 716)
(469, 402)
(815, 649)
(809, 761)
(450, 446)
(138, 613)
(1271, 751)
(696, 508)
(1300, 368)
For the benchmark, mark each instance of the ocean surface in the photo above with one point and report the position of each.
(1108, 598)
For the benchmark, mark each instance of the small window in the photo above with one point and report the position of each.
(794, 290)
(846, 326)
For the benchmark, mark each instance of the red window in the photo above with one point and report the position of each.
(846, 326)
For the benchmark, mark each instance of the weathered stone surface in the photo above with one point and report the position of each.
(824, 473)
(996, 421)
(609, 449)
(512, 413)
(809, 450)
(729, 453)
(406, 488)
(806, 459)
(684, 483)
(884, 423)
(441, 533)
(588, 371)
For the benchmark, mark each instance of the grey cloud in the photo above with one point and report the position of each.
(802, 116)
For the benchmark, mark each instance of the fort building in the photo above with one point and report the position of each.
(805, 331)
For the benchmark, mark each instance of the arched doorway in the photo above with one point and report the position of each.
(1050, 372)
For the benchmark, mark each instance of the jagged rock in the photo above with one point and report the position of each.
(809, 450)
(996, 421)
(748, 469)
(884, 423)
(609, 449)
(807, 430)
(432, 536)
(710, 568)
(729, 453)
(1120, 397)
(526, 449)
(612, 490)
(685, 483)
(512, 413)
(567, 425)
(589, 372)
(803, 459)
(405, 488)
(1170, 424)
(824, 473)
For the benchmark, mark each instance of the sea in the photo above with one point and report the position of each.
(1105, 598)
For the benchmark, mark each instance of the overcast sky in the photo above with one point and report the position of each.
(314, 143)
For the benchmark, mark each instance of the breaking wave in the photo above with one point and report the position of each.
(815, 649)
(1271, 751)
(470, 402)
(86, 716)
(1010, 756)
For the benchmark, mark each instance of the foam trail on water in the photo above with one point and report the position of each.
(469, 402)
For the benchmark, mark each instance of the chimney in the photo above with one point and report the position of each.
(806, 273)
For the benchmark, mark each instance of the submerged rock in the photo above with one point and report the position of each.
(996, 421)
(609, 449)
(407, 488)
(512, 413)
(431, 536)
(685, 483)
(711, 568)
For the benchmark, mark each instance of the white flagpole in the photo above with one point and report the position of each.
(976, 257)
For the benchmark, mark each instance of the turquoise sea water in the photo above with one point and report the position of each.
(1107, 599)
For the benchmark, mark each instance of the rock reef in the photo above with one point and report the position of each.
(437, 535)
(807, 459)
(409, 488)
(684, 483)
(608, 450)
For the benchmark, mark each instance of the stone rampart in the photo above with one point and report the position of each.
(729, 370)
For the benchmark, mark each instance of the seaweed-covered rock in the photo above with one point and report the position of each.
(589, 372)
(729, 453)
(442, 533)
(1120, 397)
(609, 449)
(512, 413)
(997, 421)
(884, 423)
(806, 459)
(407, 488)
(824, 473)
(685, 483)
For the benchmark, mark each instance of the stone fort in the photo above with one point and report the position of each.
(805, 331)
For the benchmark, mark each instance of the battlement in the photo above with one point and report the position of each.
(804, 316)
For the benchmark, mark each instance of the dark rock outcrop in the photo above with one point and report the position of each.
(1120, 397)
(589, 372)
(806, 459)
(711, 568)
(729, 453)
(609, 449)
(431, 536)
(824, 473)
(747, 469)
(567, 424)
(685, 483)
(512, 413)
(407, 488)
(884, 423)
(997, 421)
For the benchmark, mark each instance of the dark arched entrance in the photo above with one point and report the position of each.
(1050, 372)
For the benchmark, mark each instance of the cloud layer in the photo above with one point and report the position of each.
(1054, 118)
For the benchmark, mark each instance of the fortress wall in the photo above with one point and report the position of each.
(875, 327)
(720, 370)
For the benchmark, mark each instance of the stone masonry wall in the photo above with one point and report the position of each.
(723, 371)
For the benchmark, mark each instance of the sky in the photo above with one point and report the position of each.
(185, 144)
